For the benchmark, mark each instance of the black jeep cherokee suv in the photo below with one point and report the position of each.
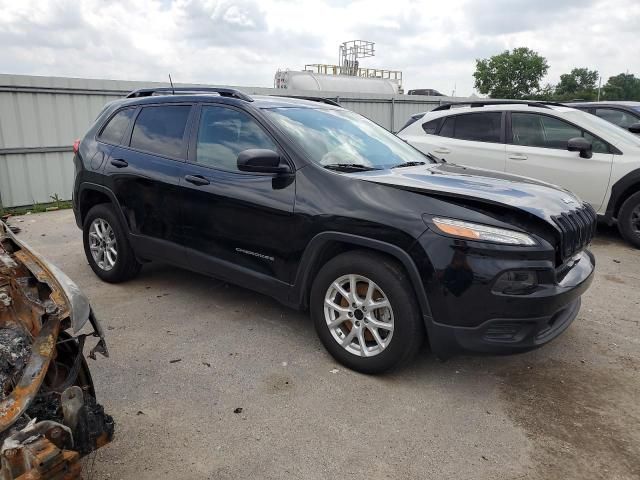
(323, 209)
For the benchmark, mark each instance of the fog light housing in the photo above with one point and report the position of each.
(516, 282)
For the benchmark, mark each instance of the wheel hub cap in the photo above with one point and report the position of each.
(359, 315)
(102, 244)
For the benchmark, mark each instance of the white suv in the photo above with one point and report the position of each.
(587, 155)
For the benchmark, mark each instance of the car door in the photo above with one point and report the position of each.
(474, 139)
(144, 174)
(537, 148)
(238, 224)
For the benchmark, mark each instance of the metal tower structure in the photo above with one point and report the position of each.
(349, 64)
(351, 51)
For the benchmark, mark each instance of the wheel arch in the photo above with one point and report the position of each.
(327, 245)
(90, 195)
(620, 191)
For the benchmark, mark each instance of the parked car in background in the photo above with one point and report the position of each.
(550, 142)
(327, 211)
(623, 114)
(431, 92)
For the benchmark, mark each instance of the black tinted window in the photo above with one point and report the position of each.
(161, 129)
(479, 127)
(114, 130)
(224, 133)
(431, 127)
(447, 127)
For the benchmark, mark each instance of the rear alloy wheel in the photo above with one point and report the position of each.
(365, 311)
(107, 247)
(629, 220)
(103, 244)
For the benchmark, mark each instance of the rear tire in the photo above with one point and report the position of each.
(399, 328)
(629, 220)
(107, 247)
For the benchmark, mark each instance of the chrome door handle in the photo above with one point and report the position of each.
(517, 156)
(442, 150)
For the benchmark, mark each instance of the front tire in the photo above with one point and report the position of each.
(107, 247)
(365, 312)
(629, 220)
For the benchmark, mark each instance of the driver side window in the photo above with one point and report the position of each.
(223, 133)
(533, 130)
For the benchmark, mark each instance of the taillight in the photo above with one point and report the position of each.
(76, 146)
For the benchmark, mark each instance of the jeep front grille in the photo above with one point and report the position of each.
(577, 229)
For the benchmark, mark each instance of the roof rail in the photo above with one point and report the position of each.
(328, 101)
(223, 92)
(484, 103)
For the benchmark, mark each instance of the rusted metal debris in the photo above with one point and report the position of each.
(49, 417)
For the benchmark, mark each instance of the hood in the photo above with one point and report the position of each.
(537, 198)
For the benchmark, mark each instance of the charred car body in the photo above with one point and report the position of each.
(49, 417)
(324, 210)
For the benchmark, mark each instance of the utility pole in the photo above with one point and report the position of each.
(599, 85)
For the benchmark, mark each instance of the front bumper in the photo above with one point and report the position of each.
(467, 314)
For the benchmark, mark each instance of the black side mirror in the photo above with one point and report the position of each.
(582, 145)
(259, 160)
(635, 128)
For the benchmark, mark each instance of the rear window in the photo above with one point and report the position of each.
(161, 130)
(114, 130)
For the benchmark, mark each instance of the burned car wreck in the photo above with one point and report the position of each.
(49, 417)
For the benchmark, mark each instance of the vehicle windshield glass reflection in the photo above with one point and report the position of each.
(333, 137)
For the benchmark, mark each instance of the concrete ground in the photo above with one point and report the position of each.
(570, 410)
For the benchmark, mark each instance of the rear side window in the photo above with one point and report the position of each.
(431, 127)
(447, 127)
(224, 133)
(114, 130)
(477, 127)
(161, 130)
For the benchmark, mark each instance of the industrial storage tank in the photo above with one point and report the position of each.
(306, 80)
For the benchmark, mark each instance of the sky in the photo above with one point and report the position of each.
(244, 42)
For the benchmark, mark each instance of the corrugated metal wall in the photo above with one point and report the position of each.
(40, 117)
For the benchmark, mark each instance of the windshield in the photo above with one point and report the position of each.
(637, 109)
(340, 137)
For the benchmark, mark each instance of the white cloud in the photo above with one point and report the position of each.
(243, 42)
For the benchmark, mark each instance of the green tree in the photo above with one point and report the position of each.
(624, 86)
(513, 75)
(579, 83)
(548, 92)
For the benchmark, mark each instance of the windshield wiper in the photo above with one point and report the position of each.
(409, 164)
(349, 166)
(435, 159)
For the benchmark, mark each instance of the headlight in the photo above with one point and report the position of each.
(483, 233)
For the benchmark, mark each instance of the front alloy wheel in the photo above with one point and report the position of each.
(103, 244)
(365, 311)
(358, 315)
